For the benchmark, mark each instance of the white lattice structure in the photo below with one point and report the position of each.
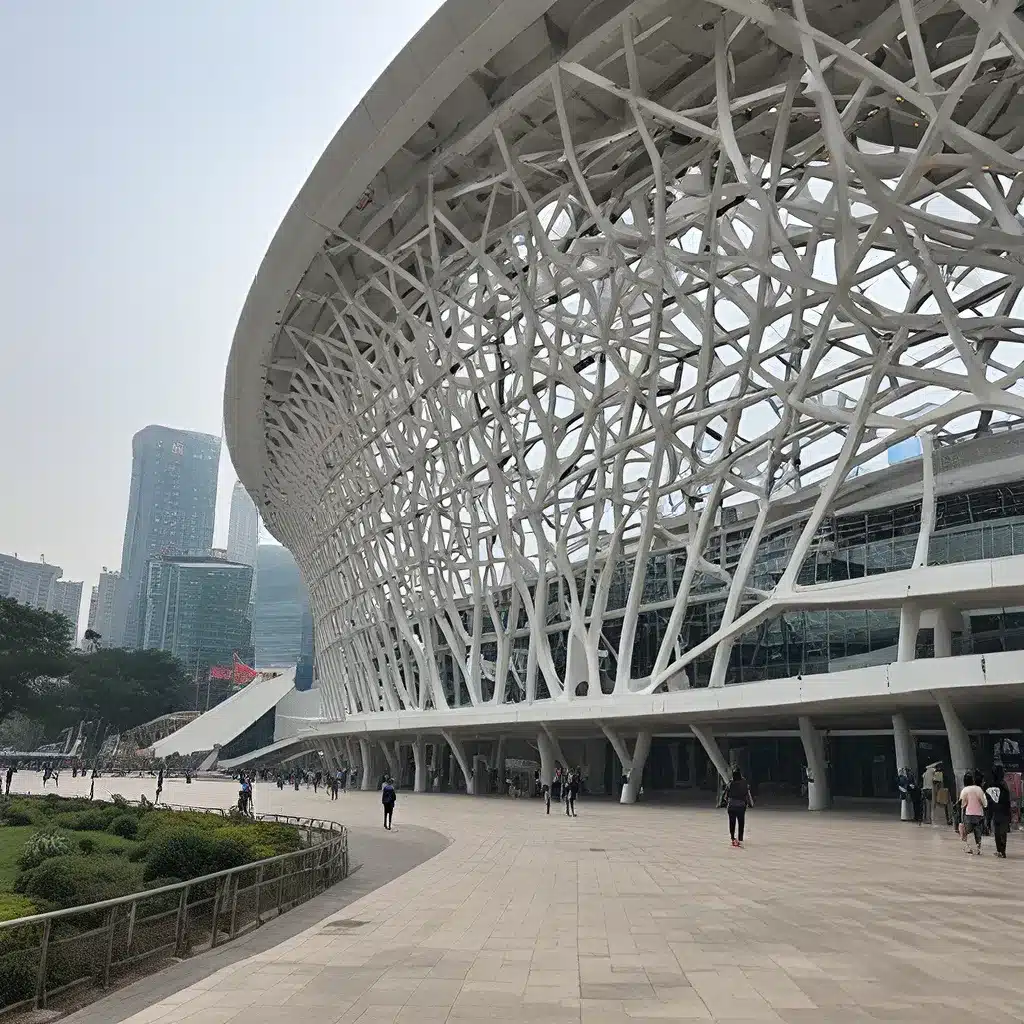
(578, 283)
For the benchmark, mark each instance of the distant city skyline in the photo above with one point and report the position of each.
(158, 149)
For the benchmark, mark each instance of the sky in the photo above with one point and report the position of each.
(150, 152)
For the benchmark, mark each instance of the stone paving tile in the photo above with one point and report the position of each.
(632, 914)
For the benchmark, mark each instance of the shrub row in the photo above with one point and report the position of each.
(126, 849)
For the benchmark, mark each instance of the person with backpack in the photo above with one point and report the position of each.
(999, 804)
(388, 798)
(737, 799)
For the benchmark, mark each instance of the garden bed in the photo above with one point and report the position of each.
(60, 856)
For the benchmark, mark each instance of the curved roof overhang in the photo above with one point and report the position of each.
(460, 37)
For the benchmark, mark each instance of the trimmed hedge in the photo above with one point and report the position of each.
(92, 851)
(75, 880)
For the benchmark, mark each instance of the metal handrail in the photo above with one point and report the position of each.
(324, 863)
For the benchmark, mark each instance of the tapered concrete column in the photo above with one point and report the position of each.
(631, 789)
(945, 621)
(707, 740)
(632, 764)
(906, 757)
(817, 772)
(959, 744)
(366, 765)
(459, 755)
(910, 623)
(391, 757)
(419, 757)
(498, 761)
(557, 748)
(546, 749)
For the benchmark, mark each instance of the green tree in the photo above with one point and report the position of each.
(122, 688)
(35, 646)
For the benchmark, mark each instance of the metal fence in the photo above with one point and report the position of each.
(69, 954)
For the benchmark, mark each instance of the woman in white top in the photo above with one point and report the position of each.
(973, 801)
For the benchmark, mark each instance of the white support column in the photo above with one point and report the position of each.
(559, 754)
(707, 740)
(498, 761)
(635, 776)
(366, 765)
(959, 743)
(910, 623)
(817, 773)
(632, 764)
(459, 754)
(391, 758)
(419, 757)
(905, 758)
(546, 749)
(945, 621)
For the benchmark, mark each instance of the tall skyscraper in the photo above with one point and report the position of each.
(39, 585)
(198, 609)
(243, 527)
(283, 625)
(171, 508)
(103, 605)
(30, 583)
(67, 599)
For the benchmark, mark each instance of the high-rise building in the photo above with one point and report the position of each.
(197, 608)
(30, 583)
(243, 527)
(283, 626)
(67, 599)
(103, 604)
(171, 508)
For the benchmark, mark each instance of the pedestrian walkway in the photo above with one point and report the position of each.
(633, 914)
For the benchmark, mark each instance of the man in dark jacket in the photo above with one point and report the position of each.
(999, 800)
(388, 798)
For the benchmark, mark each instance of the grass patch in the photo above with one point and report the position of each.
(12, 839)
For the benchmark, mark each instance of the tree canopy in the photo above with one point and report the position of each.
(34, 645)
(123, 688)
(43, 679)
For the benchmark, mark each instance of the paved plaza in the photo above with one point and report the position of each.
(631, 914)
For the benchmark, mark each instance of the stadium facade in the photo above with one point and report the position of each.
(647, 376)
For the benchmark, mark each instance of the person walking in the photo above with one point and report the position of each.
(999, 804)
(973, 801)
(388, 798)
(916, 799)
(737, 800)
(159, 784)
(572, 790)
(8, 776)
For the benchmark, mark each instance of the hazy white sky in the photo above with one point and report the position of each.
(150, 151)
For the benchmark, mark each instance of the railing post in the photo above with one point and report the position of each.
(181, 924)
(217, 899)
(108, 959)
(40, 1000)
(236, 878)
(259, 895)
(131, 930)
(280, 887)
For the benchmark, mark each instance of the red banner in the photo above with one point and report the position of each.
(242, 674)
(222, 672)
